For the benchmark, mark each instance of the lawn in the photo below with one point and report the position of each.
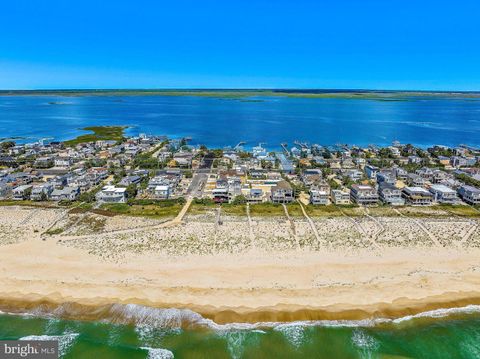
(99, 133)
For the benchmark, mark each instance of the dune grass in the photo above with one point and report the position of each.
(150, 210)
(266, 209)
(323, 211)
(234, 209)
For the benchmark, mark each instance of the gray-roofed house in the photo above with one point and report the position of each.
(443, 194)
(363, 194)
(65, 194)
(469, 194)
(417, 196)
(340, 197)
(22, 192)
(41, 191)
(282, 192)
(390, 194)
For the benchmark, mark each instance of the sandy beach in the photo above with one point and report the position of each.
(244, 270)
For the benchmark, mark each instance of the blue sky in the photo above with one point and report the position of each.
(381, 44)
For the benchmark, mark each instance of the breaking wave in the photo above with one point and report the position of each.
(158, 353)
(148, 319)
(65, 341)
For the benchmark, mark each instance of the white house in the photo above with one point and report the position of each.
(162, 192)
(63, 162)
(112, 194)
(65, 194)
(443, 194)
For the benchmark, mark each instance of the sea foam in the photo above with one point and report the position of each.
(158, 353)
(64, 341)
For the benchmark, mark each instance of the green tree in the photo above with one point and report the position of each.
(131, 191)
(6, 145)
(239, 200)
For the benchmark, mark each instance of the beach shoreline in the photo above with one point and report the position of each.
(344, 314)
(347, 270)
(359, 287)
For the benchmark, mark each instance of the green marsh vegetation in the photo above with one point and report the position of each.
(100, 133)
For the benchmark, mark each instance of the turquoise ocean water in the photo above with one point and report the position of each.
(140, 332)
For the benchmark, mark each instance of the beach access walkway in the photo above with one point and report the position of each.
(173, 222)
(292, 225)
(422, 227)
(250, 225)
(309, 220)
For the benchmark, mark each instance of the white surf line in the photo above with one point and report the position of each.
(292, 225)
(422, 227)
(310, 221)
(250, 225)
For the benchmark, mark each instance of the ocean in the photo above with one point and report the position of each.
(133, 331)
(219, 122)
(139, 332)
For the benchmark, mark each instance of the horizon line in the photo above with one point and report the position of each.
(235, 89)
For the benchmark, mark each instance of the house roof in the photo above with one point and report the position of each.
(283, 185)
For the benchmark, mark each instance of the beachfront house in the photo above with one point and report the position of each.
(254, 195)
(221, 195)
(111, 194)
(282, 192)
(69, 193)
(318, 197)
(389, 194)
(340, 197)
(469, 194)
(162, 192)
(5, 190)
(417, 196)
(226, 189)
(22, 192)
(41, 192)
(363, 194)
(443, 194)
